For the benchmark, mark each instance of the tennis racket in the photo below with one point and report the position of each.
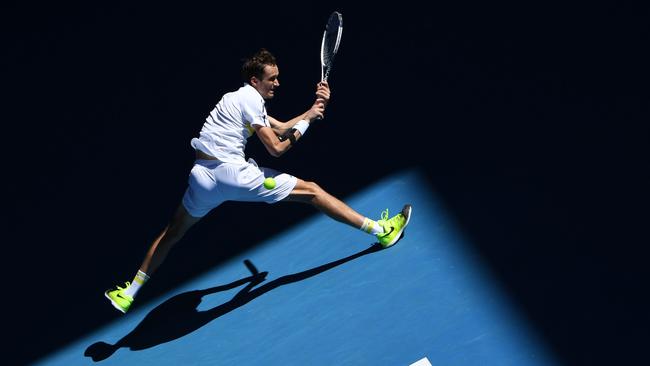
(331, 42)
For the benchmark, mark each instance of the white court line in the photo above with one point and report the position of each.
(422, 362)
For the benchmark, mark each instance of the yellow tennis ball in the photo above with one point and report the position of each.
(269, 183)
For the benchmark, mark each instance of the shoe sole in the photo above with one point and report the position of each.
(406, 211)
(115, 305)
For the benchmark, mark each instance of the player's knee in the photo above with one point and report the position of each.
(180, 224)
(176, 232)
(315, 189)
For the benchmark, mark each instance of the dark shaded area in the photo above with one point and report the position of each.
(179, 316)
(530, 121)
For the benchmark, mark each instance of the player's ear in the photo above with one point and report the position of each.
(254, 80)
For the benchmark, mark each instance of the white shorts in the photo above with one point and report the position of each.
(212, 182)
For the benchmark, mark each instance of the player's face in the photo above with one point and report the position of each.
(269, 82)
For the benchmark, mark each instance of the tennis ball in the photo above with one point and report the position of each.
(269, 183)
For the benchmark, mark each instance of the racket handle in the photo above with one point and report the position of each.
(324, 78)
(251, 267)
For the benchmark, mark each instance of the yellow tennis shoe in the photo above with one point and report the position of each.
(393, 227)
(119, 299)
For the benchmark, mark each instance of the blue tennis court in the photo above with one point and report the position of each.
(324, 295)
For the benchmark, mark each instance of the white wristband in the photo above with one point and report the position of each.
(301, 126)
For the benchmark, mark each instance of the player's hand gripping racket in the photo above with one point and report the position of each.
(330, 44)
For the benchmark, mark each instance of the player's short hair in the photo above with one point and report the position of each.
(254, 66)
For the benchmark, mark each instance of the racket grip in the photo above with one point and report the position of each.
(251, 267)
(322, 79)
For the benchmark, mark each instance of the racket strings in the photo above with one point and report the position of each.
(330, 43)
(328, 54)
(331, 38)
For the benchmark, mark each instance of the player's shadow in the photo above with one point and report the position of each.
(179, 316)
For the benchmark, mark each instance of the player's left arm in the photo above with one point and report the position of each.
(280, 128)
(322, 96)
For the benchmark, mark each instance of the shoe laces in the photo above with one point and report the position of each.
(391, 221)
(384, 215)
(127, 284)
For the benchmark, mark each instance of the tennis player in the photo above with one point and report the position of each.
(222, 173)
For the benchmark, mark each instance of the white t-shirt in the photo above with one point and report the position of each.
(230, 124)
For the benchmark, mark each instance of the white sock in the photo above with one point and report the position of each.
(371, 227)
(139, 280)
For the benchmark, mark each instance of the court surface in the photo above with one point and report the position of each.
(331, 298)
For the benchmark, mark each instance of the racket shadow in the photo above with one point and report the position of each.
(178, 316)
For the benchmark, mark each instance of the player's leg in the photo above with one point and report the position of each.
(312, 193)
(387, 230)
(291, 189)
(170, 235)
(181, 221)
(198, 200)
